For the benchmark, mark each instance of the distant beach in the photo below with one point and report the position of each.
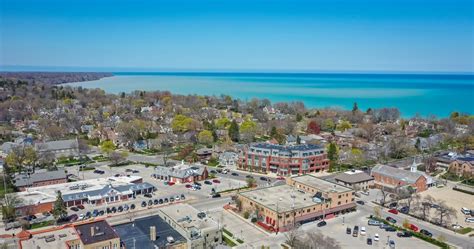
(412, 93)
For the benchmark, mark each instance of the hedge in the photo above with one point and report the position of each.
(228, 241)
(240, 241)
(227, 232)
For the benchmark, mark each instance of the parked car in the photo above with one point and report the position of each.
(213, 172)
(135, 171)
(376, 237)
(88, 215)
(128, 170)
(120, 209)
(216, 181)
(166, 200)
(208, 182)
(114, 210)
(132, 206)
(263, 178)
(404, 210)
(160, 201)
(143, 203)
(81, 216)
(392, 205)
(150, 202)
(373, 222)
(197, 184)
(322, 223)
(156, 202)
(393, 211)
(413, 227)
(170, 183)
(201, 215)
(426, 233)
(391, 220)
(188, 186)
(177, 198)
(391, 243)
(383, 226)
(171, 199)
(362, 231)
(126, 207)
(101, 212)
(390, 229)
(348, 230)
(72, 218)
(465, 211)
(280, 178)
(360, 202)
(117, 175)
(224, 171)
(95, 213)
(369, 241)
(148, 195)
(469, 220)
(75, 209)
(234, 174)
(216, 195)
(80, 206)
(404, 234)
(355, 231)
(249, 176)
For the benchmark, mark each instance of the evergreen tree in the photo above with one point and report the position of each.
(355, 108)
(332, 155)
(234, 131)
(273, 132)
(299, 117)
(298, 139)
(59, 209)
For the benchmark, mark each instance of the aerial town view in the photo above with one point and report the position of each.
(283, 124)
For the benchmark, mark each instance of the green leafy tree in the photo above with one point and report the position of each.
(344, 125)
(333, 155)
(181, 123)
(248, 129)
(20, 157)
(234, 132)
(107, 146)
(59, 209)
(223, 123)
(299, 117)
(328, 125)
(205, 137)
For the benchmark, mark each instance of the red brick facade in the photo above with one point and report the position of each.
(392, 182)
(44, 183)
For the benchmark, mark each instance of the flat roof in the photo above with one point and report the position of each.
(45, 194)
(186, 216)
(280, 198)
(94, 232)
(51, 239)
(320, 184)
(137, 233)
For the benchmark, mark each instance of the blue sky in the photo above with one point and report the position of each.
(244, 35)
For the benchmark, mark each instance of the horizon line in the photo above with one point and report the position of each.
(93, 69)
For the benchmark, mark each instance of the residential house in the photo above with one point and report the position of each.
(462, 166)
(228, 159)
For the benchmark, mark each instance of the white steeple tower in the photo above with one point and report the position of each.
(413, 166)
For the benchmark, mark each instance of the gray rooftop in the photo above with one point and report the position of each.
(400, 174)
(26, 180)
(299, 147)
(320, 184)
(179, 171)
(354, 177)
(102, 231)
(139, 231)
(58, 145)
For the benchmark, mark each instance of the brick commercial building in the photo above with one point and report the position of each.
(303, 199)
(86, 235)
(94, 191)
(283, 160)
(462, 166)
(392, 178)
(39, 178)
(181, 173)
(355, 179)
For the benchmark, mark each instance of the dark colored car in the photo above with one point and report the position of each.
(171, 199)
(156, 202)
(390, 229)
(348, 230)
(426, 233)
(75, 209)
(117, 175)
(80, 206)
(404, 210)
(143, 203)
(392, 205)
(166, 200)
(108, 210)
(234, 174)
(391, 220)
(369, 241)
(322, 223)
(120, 209)
(216, 195)
(216, 181)
(197, 184)
(188, 186)
(360, 202)
(404, 234)
(88, 215)
(183, 197)
(148, 195)
(213, 172)
(101, 212)
(248, 176)
(72, 218)
(263, 178)
(135, 171)
(150, 202)
(201, 215)
(160, 201)
(114, 209)
(208, 182)
(132, 206)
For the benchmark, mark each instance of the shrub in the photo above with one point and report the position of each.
(246, 214)
(253, 220)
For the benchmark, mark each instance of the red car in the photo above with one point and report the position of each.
(216, 181)
(170, 183)
(280, 178)
(393, 211)
(188, 186)
(80, 206)
(413, 228)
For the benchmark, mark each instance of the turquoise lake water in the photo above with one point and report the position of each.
(413, 94)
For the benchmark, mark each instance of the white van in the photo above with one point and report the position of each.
(465, 211)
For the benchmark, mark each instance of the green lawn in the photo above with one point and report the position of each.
(465, 230)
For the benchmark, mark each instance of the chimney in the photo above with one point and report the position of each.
(92, 231)
(152, 233)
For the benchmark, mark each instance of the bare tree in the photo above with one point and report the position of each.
(426, 205)
(316, 240)
(384, 196)
(445, 213)
(291, 236)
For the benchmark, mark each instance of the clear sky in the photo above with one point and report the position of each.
(245, 35)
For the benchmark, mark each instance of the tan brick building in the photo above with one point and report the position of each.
(303, 199)
(462, 167)
(392, 178)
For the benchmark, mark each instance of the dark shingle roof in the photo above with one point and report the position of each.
(400, 174)
(354, 177)
(102, 232)
(25, 180)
